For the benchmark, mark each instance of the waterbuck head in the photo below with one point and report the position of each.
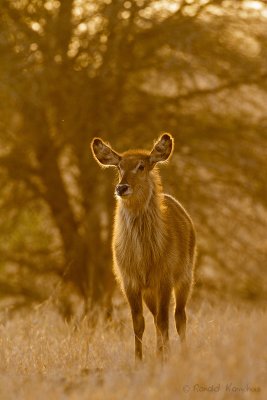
(134, 166)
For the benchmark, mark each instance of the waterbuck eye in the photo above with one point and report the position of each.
(141, 167)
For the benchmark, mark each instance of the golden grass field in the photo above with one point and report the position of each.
(43, 357)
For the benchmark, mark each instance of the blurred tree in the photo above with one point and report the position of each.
(126, 70)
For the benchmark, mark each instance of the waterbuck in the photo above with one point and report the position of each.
(153, 240)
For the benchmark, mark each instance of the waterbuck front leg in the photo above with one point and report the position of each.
(135, 300)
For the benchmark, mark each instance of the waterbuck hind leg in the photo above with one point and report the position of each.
(135, 301)
(182, 292)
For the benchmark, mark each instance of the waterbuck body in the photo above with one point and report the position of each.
(153, 240)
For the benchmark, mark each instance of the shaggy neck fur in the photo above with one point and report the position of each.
(142, 223)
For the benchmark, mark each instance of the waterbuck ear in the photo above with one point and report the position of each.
(104, 153)
(162, 149)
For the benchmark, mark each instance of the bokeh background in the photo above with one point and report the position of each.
(126, 71)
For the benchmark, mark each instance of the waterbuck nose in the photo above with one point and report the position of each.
(121, 189)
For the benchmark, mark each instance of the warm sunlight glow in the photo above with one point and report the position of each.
(145, 280)
(36, 26)
(254, 5)
(82, 28)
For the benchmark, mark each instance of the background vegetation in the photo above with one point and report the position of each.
(126, 71)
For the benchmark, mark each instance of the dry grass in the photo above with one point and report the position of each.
(42, 357)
